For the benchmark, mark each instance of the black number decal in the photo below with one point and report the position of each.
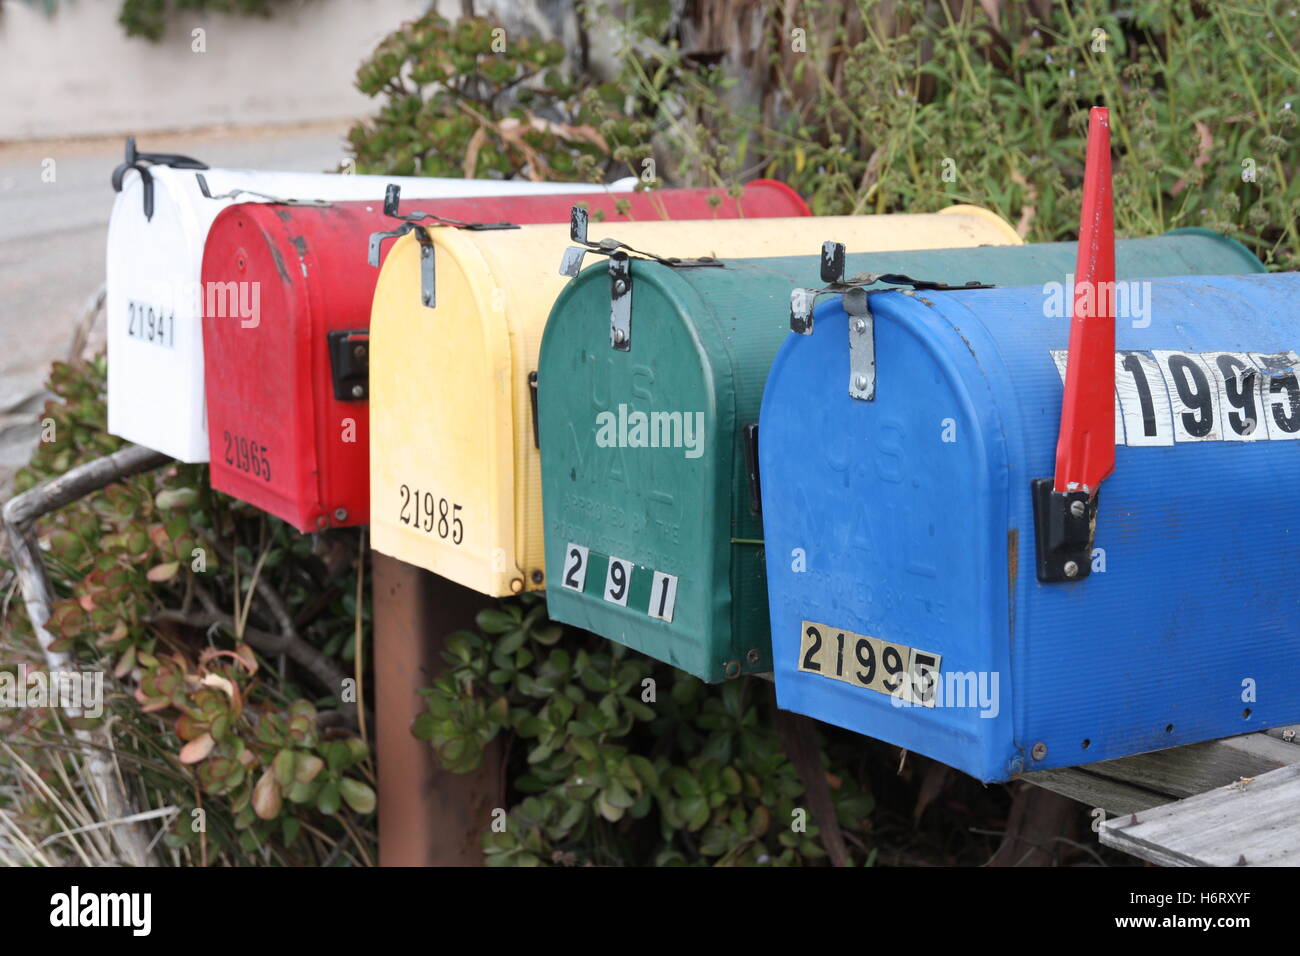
(893, 664)
(571, 576)
(619, 578)
(810, 658)
(1134, 367)
(458, 528)
(443, 527)
(869, 663)
(839, 654)
(428, 510)
(229, 460)
(1240, 391)
(663, 596)
(1200, 399)
(1277, 384)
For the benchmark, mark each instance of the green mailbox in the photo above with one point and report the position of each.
(650, 493)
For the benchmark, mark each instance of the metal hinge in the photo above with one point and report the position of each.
(1065, 524)
(411, 223)
(137, 161)
(236, 193)
(853, 292)
(620, 272)
(350, 363)
(532, 394)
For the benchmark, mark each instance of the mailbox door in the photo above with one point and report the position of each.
(1188, 597)
(511, 280)
(280, 439)
(155, 371)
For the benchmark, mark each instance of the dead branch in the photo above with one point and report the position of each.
(19, 515)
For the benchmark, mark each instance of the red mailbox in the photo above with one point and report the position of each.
(286, 316)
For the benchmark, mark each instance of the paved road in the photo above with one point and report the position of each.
(52, 245)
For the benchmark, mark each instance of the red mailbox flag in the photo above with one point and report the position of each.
(1085, 448)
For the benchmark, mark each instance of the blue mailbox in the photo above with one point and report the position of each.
(907, 598)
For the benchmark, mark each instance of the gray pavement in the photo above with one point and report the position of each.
(52, 238)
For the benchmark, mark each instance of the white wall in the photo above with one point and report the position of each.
(76, 73)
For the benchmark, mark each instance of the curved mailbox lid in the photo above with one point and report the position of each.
(709, 338)
(451, 402)
(914, 516)
(280, 437)
(155, 368)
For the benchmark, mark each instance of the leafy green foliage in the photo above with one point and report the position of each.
(618, 759)
(888, 97)
(468, 100)
(148, 18)
(207, 720)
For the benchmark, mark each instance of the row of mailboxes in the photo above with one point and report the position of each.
(154, 298)
(288, 400)
(697, 461)
(455, 477)
(664, 550)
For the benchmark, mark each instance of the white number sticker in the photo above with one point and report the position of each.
(1238, 381)
(618, 581)
(575, 567)
(1143, 400)
(1193, 396)
(1279, 394)
(663, 596)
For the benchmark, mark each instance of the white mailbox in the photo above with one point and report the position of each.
(155, 300)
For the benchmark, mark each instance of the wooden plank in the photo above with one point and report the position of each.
(1127, 784)
(1249, 823)
(1112, 796)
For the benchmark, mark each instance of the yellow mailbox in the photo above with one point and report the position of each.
(455, 477)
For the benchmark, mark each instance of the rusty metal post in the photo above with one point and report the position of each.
(427, 817)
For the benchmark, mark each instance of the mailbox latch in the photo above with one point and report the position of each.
(854, 298)
(411, 222)
(620, 272)
(350, 363)
(140, 162)
(750, 436)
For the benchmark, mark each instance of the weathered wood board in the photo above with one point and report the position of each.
(1251, 822)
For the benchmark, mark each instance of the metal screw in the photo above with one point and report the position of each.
(752, 655)
(358, 391)
(860, 383)
(516, 585)
(537, 577)
(340, 514)
(731, 669)
(1071, 569)
(620, 286)
(359, 351)
(1039, 751)
(619, 337)
(1078, 509)
(859, 326)
(1288, 735)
